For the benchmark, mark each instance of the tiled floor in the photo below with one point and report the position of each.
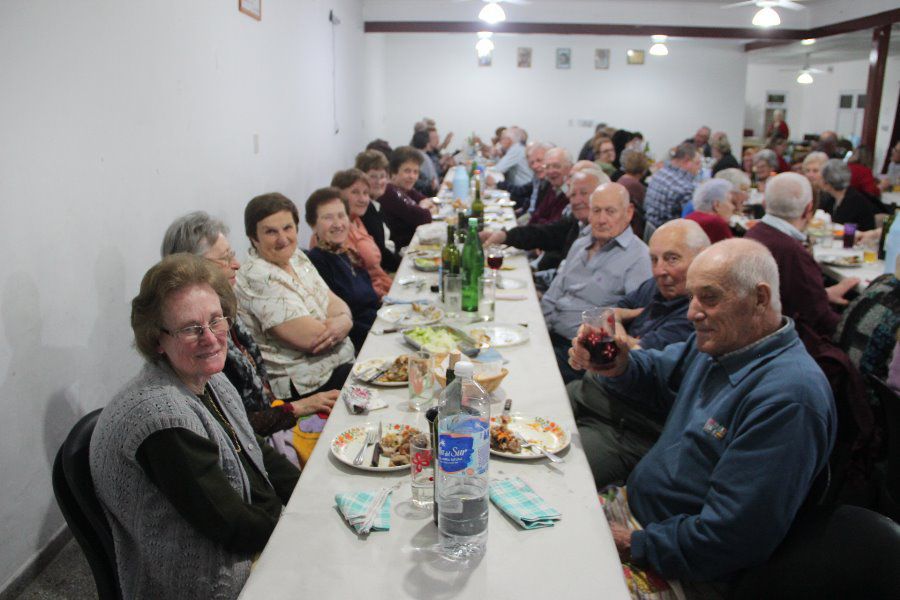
(68, 577)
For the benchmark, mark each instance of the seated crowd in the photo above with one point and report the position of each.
(730, 350)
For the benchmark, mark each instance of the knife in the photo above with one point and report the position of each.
(376, 454)
(507, 406)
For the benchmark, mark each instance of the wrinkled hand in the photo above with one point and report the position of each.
(492, 237)
(837, 292)
(336, 329)
(622, 538)
(580, 358)
(321, 402)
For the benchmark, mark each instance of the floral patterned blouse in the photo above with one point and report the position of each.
(269, 296)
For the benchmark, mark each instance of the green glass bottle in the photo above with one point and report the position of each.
(450, 257)
(472, 267)
(462, 222)
(473, 169)
(885, 228)
(478, 205)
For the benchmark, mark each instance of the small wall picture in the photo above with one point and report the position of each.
(485, 60)
(563, 58)
(252, 8)
(634, 57)
(601, 58)
(523, 58)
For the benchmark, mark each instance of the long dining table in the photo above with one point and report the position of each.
(314, 553)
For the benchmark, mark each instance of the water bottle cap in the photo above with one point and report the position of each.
(464, 369)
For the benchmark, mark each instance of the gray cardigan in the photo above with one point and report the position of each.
(158, 553)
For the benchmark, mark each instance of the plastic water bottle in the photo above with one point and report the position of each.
(460, 183)
(892, 247)
(464, 442)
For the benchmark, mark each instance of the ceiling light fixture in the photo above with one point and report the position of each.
(659, 45)
(808, 41)
(492, 13)
(804, 78)
(484, 46)
(766, 17)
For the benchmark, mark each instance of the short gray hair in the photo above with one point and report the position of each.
(567, 156)
(684, 151)
(766, 155)
(598, 175)
(194, 233)
(788, 195)
(516, 134)
(692, 234)
(709, 192)
(836, 174)
(817, 156)
(752, 266)
(539, 146)
(737, 178)
(720, 142)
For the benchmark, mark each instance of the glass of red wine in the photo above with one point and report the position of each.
(598, 335)
(495, 261)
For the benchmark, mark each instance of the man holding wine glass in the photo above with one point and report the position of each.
(750, 424)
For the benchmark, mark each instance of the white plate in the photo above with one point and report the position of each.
(538, 430)
(403, 314)
(511, 283)
(501, 334)
(376, 363)
(507, 202)
(846, 261)
(345, 446)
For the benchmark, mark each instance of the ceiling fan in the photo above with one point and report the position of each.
(805, 74)
(766, 15)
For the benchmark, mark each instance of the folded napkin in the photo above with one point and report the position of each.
(392, 300)
(516, 498)
(359, 399)
(366, 511)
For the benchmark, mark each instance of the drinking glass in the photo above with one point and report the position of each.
(421, 380)
(495, 261)
(870, 250)
(452, 295)
(486, 297)
(598, 334)
(849, 234)
(422, 470)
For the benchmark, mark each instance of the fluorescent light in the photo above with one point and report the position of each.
(766, 17)
(804, 78)
(492, 13)
(808, 41)
(659, 45)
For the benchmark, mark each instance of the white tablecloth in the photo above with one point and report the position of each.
(866, 272)
(313, 553)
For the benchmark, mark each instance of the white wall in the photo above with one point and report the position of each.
(436, 75)
(813, 108)
(116, 118)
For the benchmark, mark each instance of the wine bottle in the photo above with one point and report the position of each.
(450, 257)
(472, 267)
(478, 205)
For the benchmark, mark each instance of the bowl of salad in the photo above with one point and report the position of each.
(440, 339)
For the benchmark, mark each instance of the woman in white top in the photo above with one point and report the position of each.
(301, 326)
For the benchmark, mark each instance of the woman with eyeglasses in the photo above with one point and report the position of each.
(199, 234)
(190, 493)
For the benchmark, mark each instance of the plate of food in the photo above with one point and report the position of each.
(387, 372)
(411, 314)
(428, 264)
(505, 430)
(439, 339)
(498, 335)
(391, 453)
(835, 260)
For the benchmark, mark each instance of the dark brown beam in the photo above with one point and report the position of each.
(882, 19)
(760, 44)
(895, 137)
(881, 38)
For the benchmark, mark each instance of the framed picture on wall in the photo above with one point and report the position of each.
(634, 57)
(601, 58)
(251, 7)
(563, 58)
(485, 60)
(523, 58)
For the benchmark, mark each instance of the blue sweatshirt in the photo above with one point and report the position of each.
(745, 437)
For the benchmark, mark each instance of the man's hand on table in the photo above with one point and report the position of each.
(622, 538)
(492, 237)
(580, 358)
(837, 292)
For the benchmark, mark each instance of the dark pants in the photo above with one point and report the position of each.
(335, 382)
(614, 437)
(561, 347)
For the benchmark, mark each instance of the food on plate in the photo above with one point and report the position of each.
(427, 264)
(434, 340)
(398, 371)
(428, 311)
(480, 336)
(852, 260)
(395, 445)
(504, 440)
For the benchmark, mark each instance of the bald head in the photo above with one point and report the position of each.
(673, 247)
(788, 196)
(611, 211)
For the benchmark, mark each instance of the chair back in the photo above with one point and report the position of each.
(75, 494)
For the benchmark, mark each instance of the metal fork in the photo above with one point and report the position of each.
(370, 439)
(527, 444)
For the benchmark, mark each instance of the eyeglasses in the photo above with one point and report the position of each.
(224, 260)
(192, 333)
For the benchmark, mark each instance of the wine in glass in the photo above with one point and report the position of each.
(495, 261)
(598, 335)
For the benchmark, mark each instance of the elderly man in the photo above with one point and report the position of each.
(513, 164)
(615, 435)
(701, 140)
(713, 208)
(804, 297)
(750, 423)
(552, 197)
(600, 269)
(526, 196)
(672, 186)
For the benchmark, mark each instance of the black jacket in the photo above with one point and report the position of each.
(554, 239)
(375, 226)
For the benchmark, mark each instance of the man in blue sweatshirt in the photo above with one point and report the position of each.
(751, 422)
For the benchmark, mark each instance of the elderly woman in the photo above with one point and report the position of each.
(713, 208)
(740, 186)
(338, 263)
(765, 164)
(721, 153)
(354, 188)
(778, 144)
(375, 166)
(189, 492)
(198, 233)
(402, 207)
(844, 203)
(300, 325)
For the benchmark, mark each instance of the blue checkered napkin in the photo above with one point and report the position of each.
(355, 507)
(516, 498)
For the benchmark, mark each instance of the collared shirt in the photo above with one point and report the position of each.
(662, 321)
(745, 437)
(514, 166)
(601, 279)
(535, 192)
(669, 190)
(784, 227)
(268, 296)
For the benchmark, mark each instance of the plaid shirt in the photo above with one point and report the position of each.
(669, 190)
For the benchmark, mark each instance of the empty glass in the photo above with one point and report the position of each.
(487, 288)
(452, 295)
(421, 465)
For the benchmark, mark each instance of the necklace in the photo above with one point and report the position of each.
(207, 399)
